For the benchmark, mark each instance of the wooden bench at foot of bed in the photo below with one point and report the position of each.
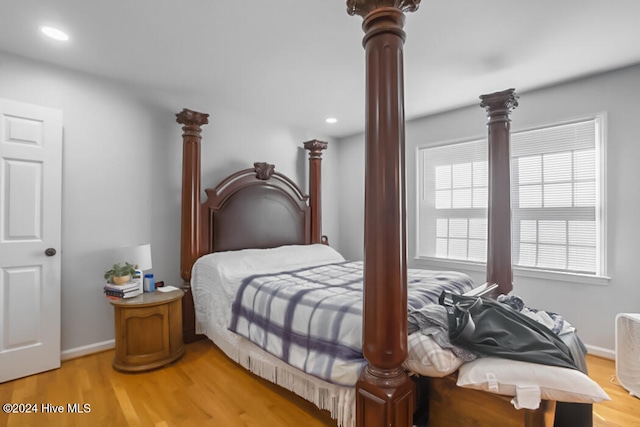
(453, 406)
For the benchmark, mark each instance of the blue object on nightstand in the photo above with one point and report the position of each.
(149, 283)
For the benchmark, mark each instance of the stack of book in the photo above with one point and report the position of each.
(128, 290)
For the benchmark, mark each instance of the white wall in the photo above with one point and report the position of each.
(591, 308)
(122, 158)
(350, 196)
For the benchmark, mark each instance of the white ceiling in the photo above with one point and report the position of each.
(297, 62)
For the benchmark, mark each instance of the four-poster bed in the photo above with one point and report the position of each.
(259, 208)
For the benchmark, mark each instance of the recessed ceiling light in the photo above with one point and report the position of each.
(331, 120)
(55, 33)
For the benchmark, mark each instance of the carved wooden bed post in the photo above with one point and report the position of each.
(499, 270)
(384, 393)
(315, 148)
(190, 247)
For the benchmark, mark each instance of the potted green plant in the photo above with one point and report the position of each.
(120, 274)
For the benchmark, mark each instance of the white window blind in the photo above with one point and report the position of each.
(556, 208)
(453, 201)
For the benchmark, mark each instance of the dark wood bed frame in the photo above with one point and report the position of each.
(252, 208)
(261, 208)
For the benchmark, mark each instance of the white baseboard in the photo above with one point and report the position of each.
(601, 352)
(72, 353)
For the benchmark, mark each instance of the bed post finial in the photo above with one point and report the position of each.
(315, 148)
(499, 269)
(500, 104)
(364, 7)
(192, 122)
(384, 393)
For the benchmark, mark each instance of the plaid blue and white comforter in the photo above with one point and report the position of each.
(311, 318)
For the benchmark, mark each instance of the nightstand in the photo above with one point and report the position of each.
(148, 330)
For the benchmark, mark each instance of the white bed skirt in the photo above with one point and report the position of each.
(338, 400)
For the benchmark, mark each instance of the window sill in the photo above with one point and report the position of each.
(585, 279)
(469, 266)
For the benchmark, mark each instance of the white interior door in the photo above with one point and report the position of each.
(30, 226)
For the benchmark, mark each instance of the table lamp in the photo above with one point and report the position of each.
(140, 257)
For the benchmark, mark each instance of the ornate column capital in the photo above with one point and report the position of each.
(192, 119)
(263, 170)
(364, 7)
(499, 103)
(315, 148)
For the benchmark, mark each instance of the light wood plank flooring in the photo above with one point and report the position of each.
(623, 410)
(207, 389)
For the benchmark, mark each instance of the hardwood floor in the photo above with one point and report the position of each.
(623, 410)
(206, 389)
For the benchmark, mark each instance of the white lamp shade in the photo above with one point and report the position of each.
(139, 256)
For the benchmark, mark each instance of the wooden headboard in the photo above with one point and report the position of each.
(254, 208)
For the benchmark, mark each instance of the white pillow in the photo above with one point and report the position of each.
(426, 357)
(246, 262)
(526, 380)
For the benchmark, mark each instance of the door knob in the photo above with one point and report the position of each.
(50, 252)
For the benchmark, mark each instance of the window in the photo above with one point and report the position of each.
(555, 193)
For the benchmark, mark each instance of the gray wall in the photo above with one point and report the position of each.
(122, 145)
(591, 308)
